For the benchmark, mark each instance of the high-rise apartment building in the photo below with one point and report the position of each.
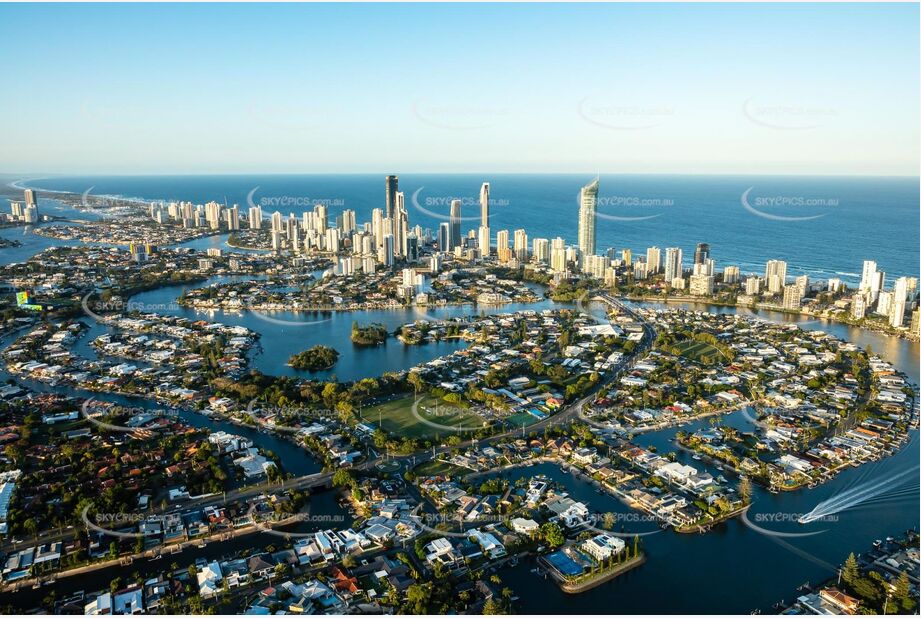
(588, 201)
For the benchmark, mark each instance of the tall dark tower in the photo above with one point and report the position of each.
(391, 186)
(702, 253)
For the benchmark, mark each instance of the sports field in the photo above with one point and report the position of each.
(396, 417)
(698, 351)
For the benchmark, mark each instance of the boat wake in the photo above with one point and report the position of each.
(864, 493)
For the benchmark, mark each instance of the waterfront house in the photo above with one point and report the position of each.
(603, 546)
(128, 601)
(260, 566)
(490, 545)
(100, 606)
(209, 580)
(527, 527)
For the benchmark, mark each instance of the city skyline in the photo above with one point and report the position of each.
(391, 241)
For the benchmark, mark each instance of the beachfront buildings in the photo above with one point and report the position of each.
(673, 264)
(775, 275)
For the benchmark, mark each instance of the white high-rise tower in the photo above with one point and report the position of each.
(588, 199)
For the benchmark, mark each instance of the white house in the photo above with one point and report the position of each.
(603, 546)
(490, 544)
(524, 526)
(209, 580)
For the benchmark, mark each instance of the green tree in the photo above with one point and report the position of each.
(343, 478)
(902, 592)
(552, 534)
(745, 489)
(850, 573)
(493, 607)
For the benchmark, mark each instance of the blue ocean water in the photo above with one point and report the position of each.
(837, 222)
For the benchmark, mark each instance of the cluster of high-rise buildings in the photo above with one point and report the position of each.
(871, 295)
(388, 240)
(212, 215)
(25, 211)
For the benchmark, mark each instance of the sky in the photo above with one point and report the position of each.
(314, 88)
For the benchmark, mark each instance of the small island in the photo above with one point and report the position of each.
(317, 358)
(372, 334)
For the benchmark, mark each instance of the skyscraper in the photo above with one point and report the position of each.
(588, 200)
(792, 298)
(753, 286)
(348, 221)
(400, 226)
(255, 217)
(320, 217)
(674, 267)
(775, 275)
(391, 186)
(702, 253)
(31, 197)
(213, 214)
(377, 226)
(521, 245)
(877, 283)
(444, 237)
(455, 223)
(332, 236)
(385, 251)
(653, 260)
(502, 250)
(483, 240)
(731, 274)
(484, 205)
(541, 250)
(233, 218)
(30, 214)
(558, 254)
(899, 296)
(859, 306)
(868, 275)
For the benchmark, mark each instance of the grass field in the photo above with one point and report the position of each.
(397, 418)
(436, 468)
(516, 420)
(698, 351)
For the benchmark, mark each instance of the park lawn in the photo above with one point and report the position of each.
(397, 418)
(698, 351)
(438, 468)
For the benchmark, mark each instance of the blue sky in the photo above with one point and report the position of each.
(659, 88)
